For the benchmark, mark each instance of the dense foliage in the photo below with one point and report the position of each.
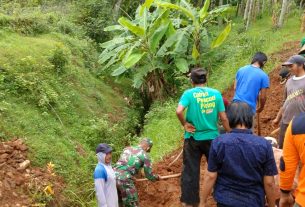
(161, 43)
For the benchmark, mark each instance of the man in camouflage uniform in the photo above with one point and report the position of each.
(131, 161)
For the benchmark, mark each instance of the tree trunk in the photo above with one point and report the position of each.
(242, 7)
(263, 7)
(249, 14)
(283, 13)
(258, 10)
(116, 9)
(246, 10)
(219, 18)
(303, 22)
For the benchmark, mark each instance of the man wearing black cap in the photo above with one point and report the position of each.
(204, 105)
(294, 95)
(104, 178)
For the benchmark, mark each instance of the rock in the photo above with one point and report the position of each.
(16, 195)
(4, 156)
(10, 174)
(23, 148)
(7, 148)
(6, 185)
(25, 164)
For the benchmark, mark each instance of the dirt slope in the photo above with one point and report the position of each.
(24, 185)
(167, 193)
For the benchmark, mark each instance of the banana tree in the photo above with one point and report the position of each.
(162, 42)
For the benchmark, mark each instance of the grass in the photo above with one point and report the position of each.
(162, 124)
(60, 116)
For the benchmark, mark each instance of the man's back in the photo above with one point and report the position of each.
(242, 160)
(203, 106)
(295, 101)
(249, 82)
(131, 160)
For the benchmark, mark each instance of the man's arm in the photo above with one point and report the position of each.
(225, 122)
(262, 100)
(269, 186)
(235, 84)
(100, 194)
(209, 182)
(288, 166)
(187, 126)
(279, 115)
(148, 169)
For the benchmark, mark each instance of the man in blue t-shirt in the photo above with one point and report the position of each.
(204, 107)
(252, 82)
(241, 165)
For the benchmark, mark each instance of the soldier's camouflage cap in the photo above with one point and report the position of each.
(148, 141)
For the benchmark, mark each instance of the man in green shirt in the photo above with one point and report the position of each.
(204, 107)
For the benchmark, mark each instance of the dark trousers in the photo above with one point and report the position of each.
(221, 205)
(283, 128)
(192, 154)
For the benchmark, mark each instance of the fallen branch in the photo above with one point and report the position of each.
(178, 156)
(161, 177)
(275, 131)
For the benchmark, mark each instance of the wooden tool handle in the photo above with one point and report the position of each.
(258, 125)
(161, 177)
(176, 158)
(275, 131)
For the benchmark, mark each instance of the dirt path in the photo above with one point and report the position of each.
(167, 193)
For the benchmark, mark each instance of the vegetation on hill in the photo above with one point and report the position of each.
(55, 97)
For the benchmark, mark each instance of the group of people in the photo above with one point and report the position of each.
(241, 166)
(116, 185)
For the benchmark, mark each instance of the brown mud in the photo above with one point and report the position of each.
(22, 185)
(167, 192)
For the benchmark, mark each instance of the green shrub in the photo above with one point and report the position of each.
(94, 16)
(60, 58)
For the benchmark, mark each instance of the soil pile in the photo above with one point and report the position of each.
(167, 193)
(21, 184)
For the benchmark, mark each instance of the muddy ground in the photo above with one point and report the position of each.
(167, 193)
(22, 185)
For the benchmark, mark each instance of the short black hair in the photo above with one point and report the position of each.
(240, 113)
(261, 58)
(199, 76)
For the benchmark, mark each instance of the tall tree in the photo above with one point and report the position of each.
(303, 22)
(283, 13)
(249, 13)
(246, 10)
(116, 9)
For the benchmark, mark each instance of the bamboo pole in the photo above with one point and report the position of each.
(161, 177)
(275, 131)
(178, 156)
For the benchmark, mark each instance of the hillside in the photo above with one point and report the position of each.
(52, 98)
(57, 104)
